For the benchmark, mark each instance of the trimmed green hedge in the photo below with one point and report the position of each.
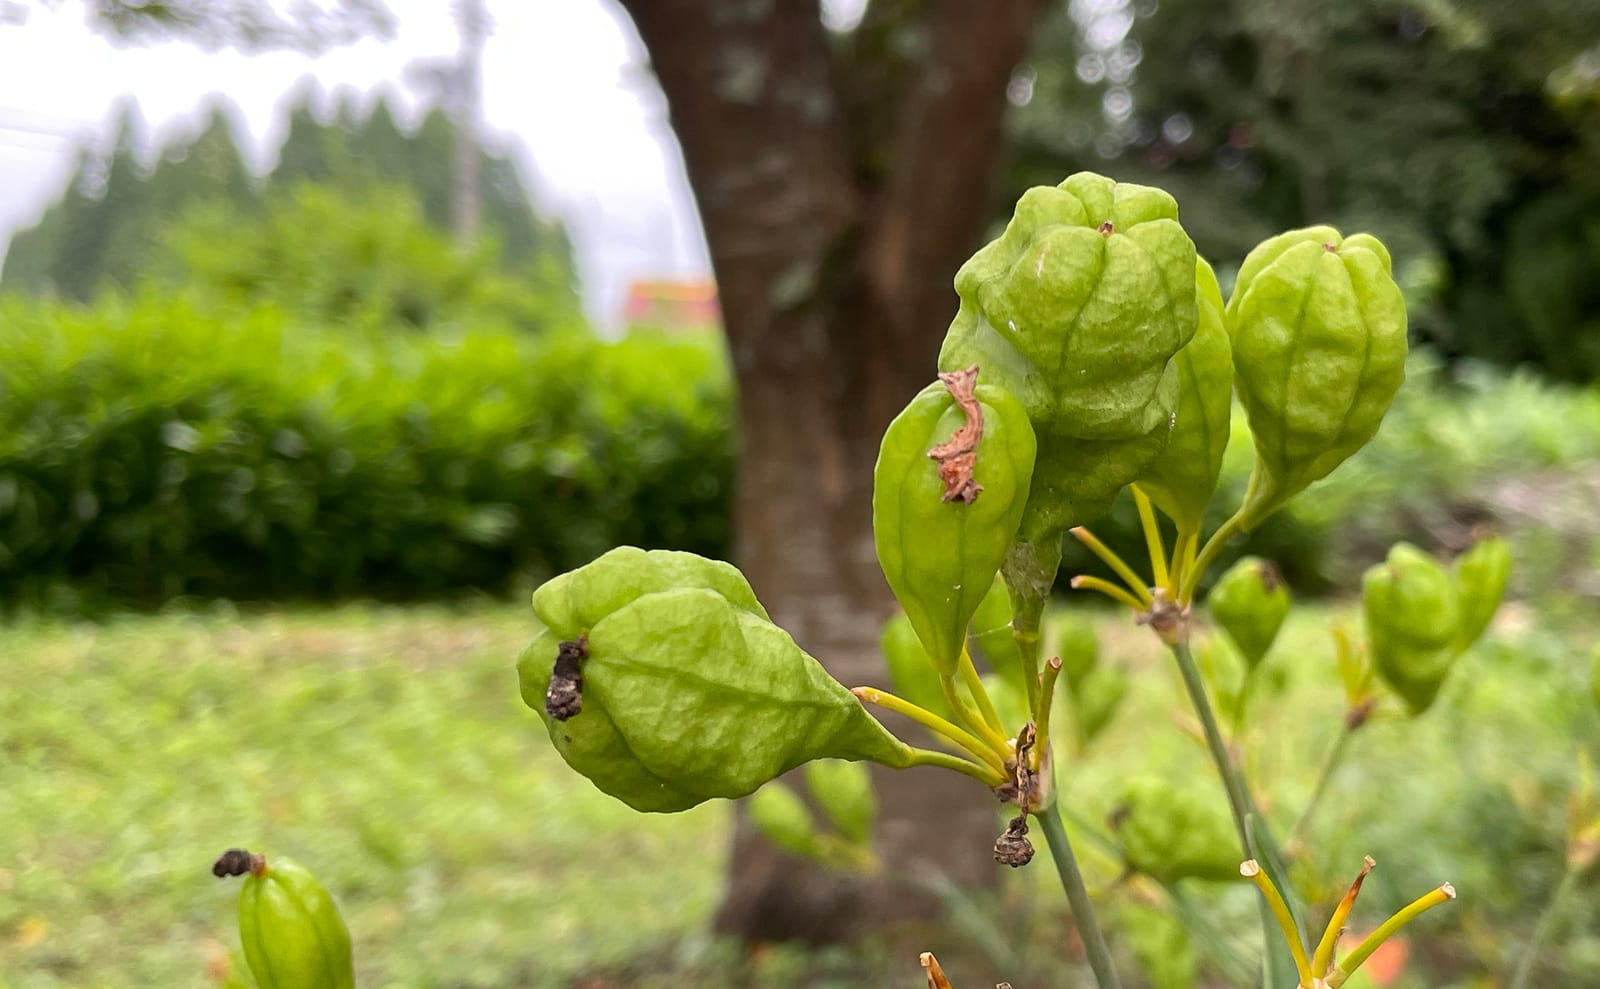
(152, 448)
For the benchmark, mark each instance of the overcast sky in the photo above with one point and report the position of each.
(565, 83)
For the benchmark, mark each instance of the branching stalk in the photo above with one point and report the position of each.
(1116, 563)
(1330, 765)
(1152, 538)
(932, 722)
(984, 773)
(1116, 592)
(980, 693)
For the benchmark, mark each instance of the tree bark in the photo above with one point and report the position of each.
(835, 289)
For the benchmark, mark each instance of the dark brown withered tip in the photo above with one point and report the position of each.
(1013, 848)
(233, 862)
(1107, 228)
(564, 698)
(1271, 576)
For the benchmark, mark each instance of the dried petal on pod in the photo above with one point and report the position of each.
(1319, 348)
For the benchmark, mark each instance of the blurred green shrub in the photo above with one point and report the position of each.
(151, 449)
(1449, 451)
(366, 258)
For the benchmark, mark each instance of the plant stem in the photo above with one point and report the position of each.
(980, 693)
(1047, 697)
(933, 757)
(1116, 592)
(1239, 801)
(971, 718)
(1152, 539)
(1208, 554)
(932, 722)
(1330, 764)
(1543, 930)
(1094, 941)
(1111, 559)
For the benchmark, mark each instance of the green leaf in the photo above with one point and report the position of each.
(291, 931)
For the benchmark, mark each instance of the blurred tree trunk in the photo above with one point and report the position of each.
(841, 180)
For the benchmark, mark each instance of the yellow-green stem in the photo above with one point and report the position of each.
(980, 693)
(1116, 563)
(1041, 718)
(1115, 592)
(1094, 941)
(1280, 911)
(970, 718)
(1323, 958)
(933, 757)
(1330, 763)
(1386, 930)
(1152, 538)
(932, 722)
(1208, 555)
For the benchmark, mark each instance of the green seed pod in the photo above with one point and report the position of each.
(910, 670)
(948, 492)
(1413, 617)
(1481, 576)
(1078, 309)
(1249, 603)
(1319, 349)
(291, 931)
(780, 815)
(687, 693)
(991, 629)
(1183, 479)
(844, 792)
(1172, 832)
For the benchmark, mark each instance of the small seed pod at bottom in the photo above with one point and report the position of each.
(291, 931)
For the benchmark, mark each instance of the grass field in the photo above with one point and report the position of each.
(388, 749)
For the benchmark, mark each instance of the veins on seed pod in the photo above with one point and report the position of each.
(958, 455)
(564, 698)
